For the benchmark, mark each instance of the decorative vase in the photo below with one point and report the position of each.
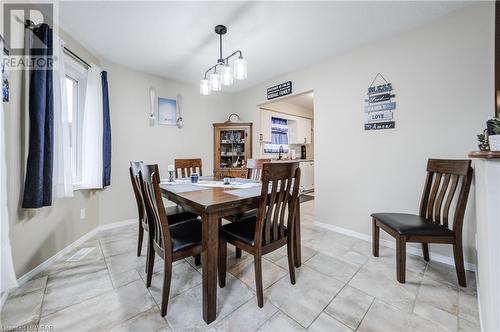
(494, 142)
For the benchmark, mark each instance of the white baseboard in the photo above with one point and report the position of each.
(116, 224)
(40, 268)
(392, 244)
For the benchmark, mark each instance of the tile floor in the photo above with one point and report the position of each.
(340, 287)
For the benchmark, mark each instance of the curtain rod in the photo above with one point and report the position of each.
(76, 57)
(28, 24)
(5, 50)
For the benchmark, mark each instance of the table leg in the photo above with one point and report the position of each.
(297, 245)
(209, 266)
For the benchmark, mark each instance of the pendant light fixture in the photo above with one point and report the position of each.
(222, 73)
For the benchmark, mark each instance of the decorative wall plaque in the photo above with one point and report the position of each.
(380, 105)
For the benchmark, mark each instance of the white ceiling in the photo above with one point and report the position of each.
(176, 39)
(305, 100)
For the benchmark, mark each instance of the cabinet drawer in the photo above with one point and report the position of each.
(233, 173)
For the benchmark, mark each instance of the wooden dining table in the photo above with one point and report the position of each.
(214, 202)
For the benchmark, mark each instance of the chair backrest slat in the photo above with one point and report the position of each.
(157, 217)
(186, 167)
(134, 169)
(432, 197)
(440, 197)
(279, 205)
(443, 179)
(449, 199)
(254, 167)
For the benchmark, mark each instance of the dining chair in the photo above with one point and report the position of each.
(175, 213)
(272, 228)
(254, 167)
(431, 225)
(172, 242)
(254, 172)
(185, 167)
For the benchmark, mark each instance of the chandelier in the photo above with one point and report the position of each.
(222, 73)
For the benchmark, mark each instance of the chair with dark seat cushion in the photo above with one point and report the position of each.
(444, 177)
(254, 172)
(170, 242)
(175, 213)
(410, 224)
(185, 234)
(272, 228)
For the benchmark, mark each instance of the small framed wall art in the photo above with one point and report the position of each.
(167, 111)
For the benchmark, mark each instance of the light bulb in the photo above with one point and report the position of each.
(240, 68)
(204, 87)
(215, 82)
(227, 75)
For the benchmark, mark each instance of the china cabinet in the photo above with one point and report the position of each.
(232, 149)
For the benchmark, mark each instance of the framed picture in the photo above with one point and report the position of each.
(167, 111)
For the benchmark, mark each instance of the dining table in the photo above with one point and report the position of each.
(213, 200)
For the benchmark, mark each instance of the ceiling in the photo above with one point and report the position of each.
(176, 39)
(305, 100)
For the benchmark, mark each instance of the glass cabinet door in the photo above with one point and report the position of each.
(232, 148)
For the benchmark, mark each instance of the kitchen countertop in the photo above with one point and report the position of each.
(290, 160)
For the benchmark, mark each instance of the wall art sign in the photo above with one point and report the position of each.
(279, 90)
(167, 111)
(380, 105)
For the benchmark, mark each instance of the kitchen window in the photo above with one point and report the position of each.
(279, 136)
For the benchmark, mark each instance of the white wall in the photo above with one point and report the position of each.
(134, 139)
(443, 79)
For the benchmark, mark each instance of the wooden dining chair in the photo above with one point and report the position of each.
(254, 172)
(172, 242)
(272, 228)
(175, 213)
(431, 225)
(254, 167)
(185, 167)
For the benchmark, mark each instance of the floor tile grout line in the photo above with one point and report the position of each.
(418, 290)
(253, 298)
(41, 302)
(269, 319)
(366, 313)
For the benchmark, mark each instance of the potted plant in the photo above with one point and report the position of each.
(493, 129)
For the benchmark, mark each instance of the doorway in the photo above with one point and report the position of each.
(287, 133)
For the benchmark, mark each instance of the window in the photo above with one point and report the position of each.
(76, 81)
(279, 136)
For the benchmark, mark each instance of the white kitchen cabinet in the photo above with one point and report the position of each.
(299, 131)
(265, 125)
(305, 130)
(306, 175)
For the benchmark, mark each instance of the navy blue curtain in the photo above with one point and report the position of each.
(106, 131)
(38, 183)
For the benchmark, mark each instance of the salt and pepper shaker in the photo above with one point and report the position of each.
(227, 180)
(171, 170)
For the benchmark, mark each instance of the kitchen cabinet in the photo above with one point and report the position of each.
(232, 149)
(265, 126)
(300, 131)
(306, 175)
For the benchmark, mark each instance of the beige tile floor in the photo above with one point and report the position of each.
(340, 287)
